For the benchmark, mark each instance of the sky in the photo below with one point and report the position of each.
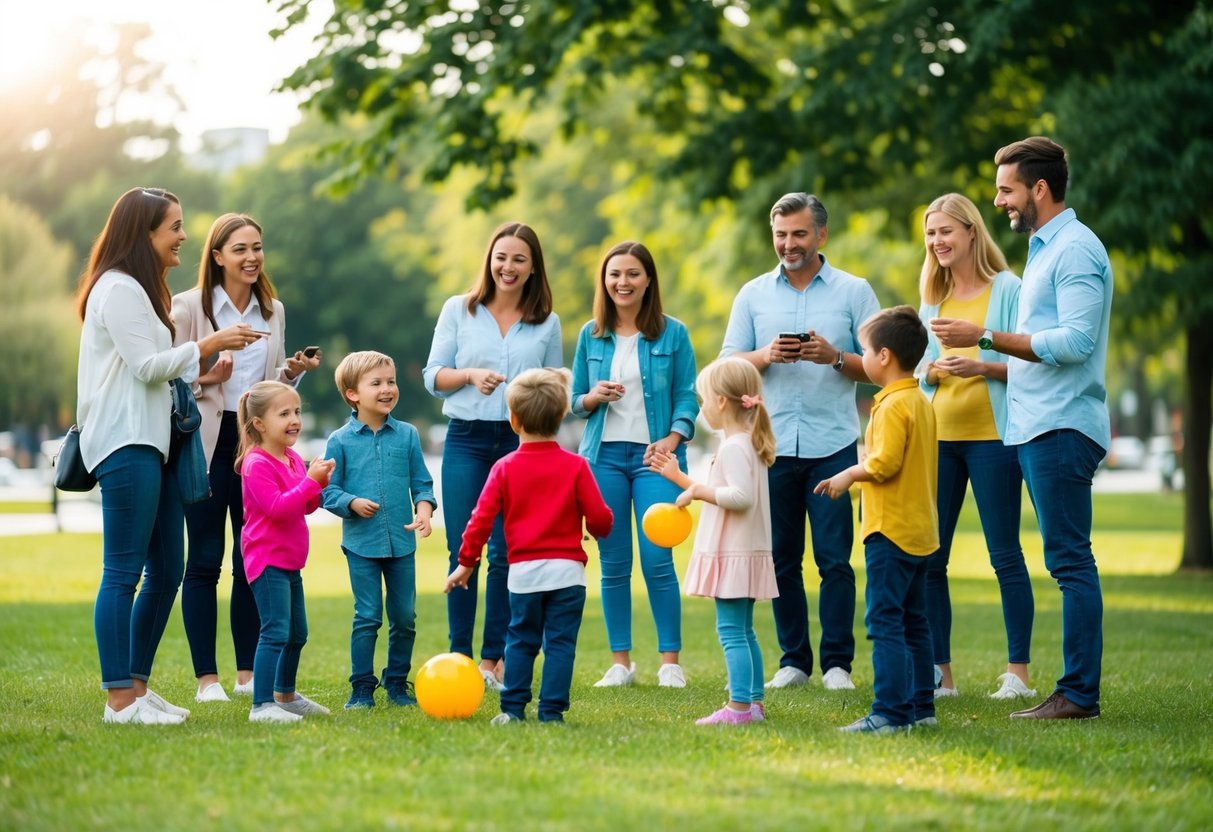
(217, 54)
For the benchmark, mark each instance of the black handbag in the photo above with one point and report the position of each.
(70, 473)
(187, 457)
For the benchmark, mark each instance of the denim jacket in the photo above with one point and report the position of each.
(667, 374)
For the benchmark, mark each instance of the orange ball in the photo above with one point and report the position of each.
(666, 524)
(449, 686)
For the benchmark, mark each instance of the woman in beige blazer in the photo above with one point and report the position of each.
(232, 288)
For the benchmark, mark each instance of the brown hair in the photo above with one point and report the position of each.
(1037, 158)
(900, 330)
(253, 405)
(539, 399)
(125, 245)
(936, 283)
(536, 294)
(649, 320)
(210, 273)
(354, 366)
(733, 378)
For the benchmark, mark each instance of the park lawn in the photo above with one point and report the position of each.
(631, 757)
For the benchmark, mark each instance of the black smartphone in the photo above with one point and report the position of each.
(799, 336)
(310, 352)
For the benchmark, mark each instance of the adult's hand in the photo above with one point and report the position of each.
(298, 364)
(953, 332)
(220, 371)
(818, 350)
(485, 381)
(784, 350)
(960, 367)
(235, 337)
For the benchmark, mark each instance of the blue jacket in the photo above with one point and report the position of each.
(667, 374)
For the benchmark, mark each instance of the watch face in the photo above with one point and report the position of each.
(984, 343)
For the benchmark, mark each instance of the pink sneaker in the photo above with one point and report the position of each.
(727, 716)
(758, 712)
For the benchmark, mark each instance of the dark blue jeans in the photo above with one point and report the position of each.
(993, 470)
(369, 578)
(142, 537)
(903, 678)
(204, 523)
(1058, 467)
(831, 524)
(549, 620)
(279, 594)
(470, 450)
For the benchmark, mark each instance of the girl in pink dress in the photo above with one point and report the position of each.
(731, 561)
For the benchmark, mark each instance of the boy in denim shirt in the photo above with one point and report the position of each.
(379, 477)
(897, 479)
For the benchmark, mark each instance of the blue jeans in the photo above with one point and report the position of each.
(279, 594)
(993, 470)
(204, 523)
(628, 486)
(368, 579)
(742, 655)
(1058, 467)
(470, 450)
(142, 537)
(832, 526)
(549, 620)
(903, 681)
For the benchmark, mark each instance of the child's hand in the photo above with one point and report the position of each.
(321, 469)
(684, 499)
(421, 522)
(364, 507)
(835, 486)
(665, 463)
(458, 578)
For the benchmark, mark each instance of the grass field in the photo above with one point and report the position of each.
(627, 758)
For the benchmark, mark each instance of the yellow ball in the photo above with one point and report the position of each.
(666, 524)
(449, 686)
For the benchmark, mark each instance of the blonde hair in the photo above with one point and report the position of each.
(539, 400)
(734, 378)
(253, 405)
(936, 283)
(354, 366)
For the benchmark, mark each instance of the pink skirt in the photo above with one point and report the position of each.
(747, 574)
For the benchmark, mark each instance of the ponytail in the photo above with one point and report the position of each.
(741, 386)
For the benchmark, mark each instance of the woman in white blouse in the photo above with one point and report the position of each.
(124, 408)
(233, 288)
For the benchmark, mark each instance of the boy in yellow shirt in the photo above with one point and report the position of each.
(900, 522)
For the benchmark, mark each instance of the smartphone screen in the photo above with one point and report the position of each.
(310, 352)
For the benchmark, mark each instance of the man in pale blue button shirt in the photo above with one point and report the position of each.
(809, 386)
(1057, 410)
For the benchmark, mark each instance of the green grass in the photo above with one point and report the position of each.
(627, 758)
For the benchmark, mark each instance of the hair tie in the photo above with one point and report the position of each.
(749, 402)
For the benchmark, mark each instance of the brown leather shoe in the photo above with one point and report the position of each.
(1057, 707)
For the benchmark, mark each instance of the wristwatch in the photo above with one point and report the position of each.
(840, 361)
(986, 341)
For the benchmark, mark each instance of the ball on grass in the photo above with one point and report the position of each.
(449, 686)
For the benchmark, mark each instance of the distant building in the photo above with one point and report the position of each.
(231, 147)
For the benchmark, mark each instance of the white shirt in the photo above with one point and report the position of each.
(127, 358)
(625, 418)
(248, 364)
(545, 575)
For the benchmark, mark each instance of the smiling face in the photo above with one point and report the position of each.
(375, 395)
(281, 423)
(1016, 198)
(948, 239)
(166, 238)
(241, 258)
(797, 240)
(511, 264)
(626, 280)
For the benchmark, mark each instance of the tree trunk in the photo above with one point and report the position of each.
(1198, 366)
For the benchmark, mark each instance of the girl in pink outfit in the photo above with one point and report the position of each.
(279, 490)
(731, 561)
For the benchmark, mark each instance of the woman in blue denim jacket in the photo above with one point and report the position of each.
(634, 381)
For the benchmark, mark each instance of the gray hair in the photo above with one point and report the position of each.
(798, 201)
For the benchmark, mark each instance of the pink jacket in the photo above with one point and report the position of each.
(276, 500)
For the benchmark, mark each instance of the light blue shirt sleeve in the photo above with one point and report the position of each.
(1080, 307)
(443, 346)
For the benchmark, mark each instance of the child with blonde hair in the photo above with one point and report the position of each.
(731, 560)
(279, 490)
(543, 493)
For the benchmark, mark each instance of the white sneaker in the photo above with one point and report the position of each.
(1012, 688)
(212, 693)
(669, 676)
(137, 713)
(788, 677)
(942, 692)
(271, 712)
(504, 719)
(837, 678)
(303, 706)
(491, 682)
(619, 676)
(151, 699)
(243, 688)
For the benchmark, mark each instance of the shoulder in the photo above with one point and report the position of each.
(406, 430)
(190, 298)
(674, 328)
(277, 307)
(455, 306)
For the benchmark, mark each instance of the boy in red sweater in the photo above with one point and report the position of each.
(543, 492)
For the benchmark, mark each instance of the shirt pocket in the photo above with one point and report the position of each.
(661, 368)
(396, 467)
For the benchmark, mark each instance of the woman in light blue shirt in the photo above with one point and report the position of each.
(483, 339)
(634, 381)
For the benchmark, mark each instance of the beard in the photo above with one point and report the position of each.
(1025, 221)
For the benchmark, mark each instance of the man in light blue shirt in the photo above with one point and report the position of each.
(809, 382)
(1057, 413)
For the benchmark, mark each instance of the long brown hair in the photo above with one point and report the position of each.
(125, 245)
(536, 294)
(210, 273)
(649, 320)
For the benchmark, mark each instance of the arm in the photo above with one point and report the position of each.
(666, 464)
(686, 402)
(421, 487)
(477, 531)
(263, 489)
(127, 319)
(953, 332)
(335, 498)
(598, 516)
(1080, 303)
(441, 375)
(734, 465)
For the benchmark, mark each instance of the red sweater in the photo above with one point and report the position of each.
(544, 492)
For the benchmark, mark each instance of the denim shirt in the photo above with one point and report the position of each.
(667, 375)
(1065, 305)
(384, 466)
(812, 406)
(1000, 317)
(465, 341)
